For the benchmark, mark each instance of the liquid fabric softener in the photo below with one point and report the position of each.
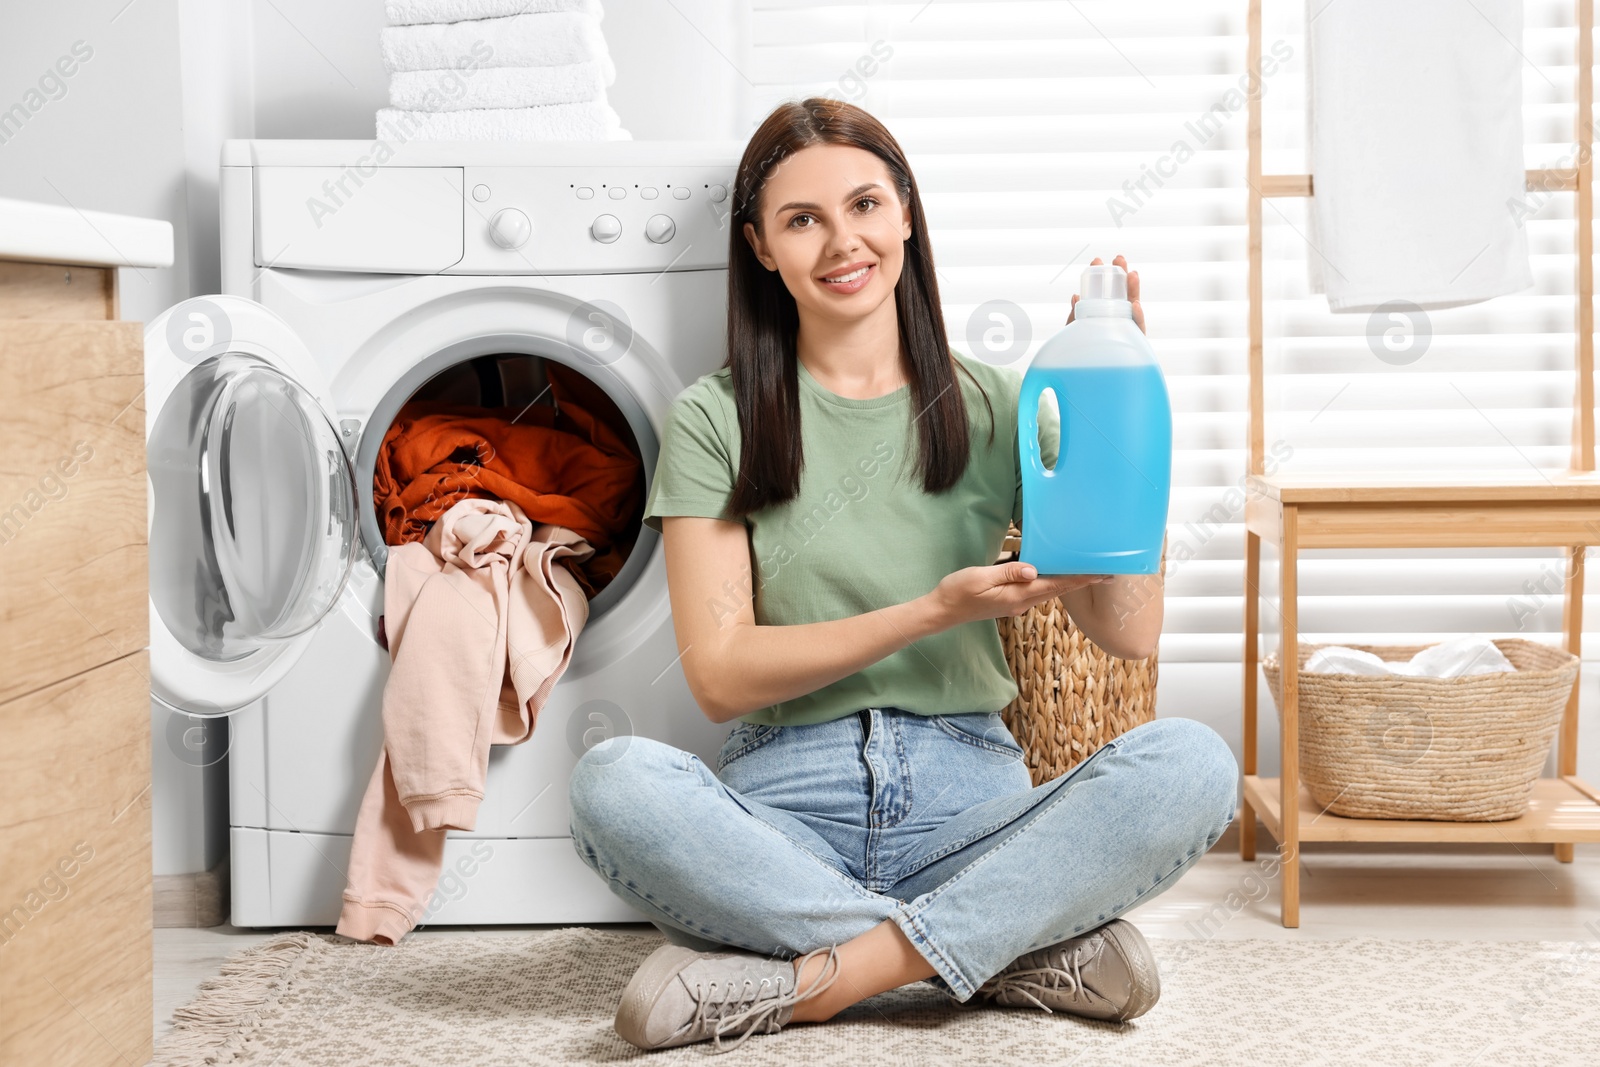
(1103, 508)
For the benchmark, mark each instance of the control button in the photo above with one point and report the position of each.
(585, 193)
(660, 229)
(480, 193)
(510, 228)
(649, 192)
(680, 193)
(618, 192)
(606, 229)
(719, 193)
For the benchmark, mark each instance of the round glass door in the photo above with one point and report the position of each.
(254, 526)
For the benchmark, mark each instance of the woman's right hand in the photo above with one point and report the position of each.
(1012, 588)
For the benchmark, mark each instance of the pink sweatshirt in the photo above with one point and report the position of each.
(481, 620)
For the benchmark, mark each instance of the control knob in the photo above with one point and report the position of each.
(660, 228)
(606, 228)
(510, 228)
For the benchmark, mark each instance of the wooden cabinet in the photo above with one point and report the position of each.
(75, 871)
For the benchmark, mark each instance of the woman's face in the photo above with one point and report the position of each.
(830, 211)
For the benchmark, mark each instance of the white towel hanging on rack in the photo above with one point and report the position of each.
(1416, 152)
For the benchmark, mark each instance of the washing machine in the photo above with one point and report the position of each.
(357, 276)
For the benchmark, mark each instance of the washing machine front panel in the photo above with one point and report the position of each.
(252, 517)
(302, 757)
(370, 330)
(381, 336)
(489, 208)
(305, 763)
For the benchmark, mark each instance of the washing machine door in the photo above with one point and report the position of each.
(253, 521)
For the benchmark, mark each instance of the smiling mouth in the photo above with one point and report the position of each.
(849, 278)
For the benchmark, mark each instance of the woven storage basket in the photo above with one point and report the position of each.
(1072, 696)
(1462, 749)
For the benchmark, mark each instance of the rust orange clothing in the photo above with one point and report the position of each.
(567, 468)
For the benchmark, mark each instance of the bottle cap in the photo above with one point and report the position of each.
(1103, 282)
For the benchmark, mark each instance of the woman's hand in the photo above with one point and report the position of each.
(973, 593)
(1133, 291)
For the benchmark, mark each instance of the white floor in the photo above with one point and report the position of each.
(1457, 892)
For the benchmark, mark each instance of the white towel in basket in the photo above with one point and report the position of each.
(550, 39)
(496, 87)
(409, 12)
(1453, 659)
(1416, 152)
(589, 121)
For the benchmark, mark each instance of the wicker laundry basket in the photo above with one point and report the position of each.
(1072, 696)
(1462, 749)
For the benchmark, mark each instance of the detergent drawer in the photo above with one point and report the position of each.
(359, 217)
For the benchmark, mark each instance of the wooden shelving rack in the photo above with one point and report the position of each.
(1424, 510)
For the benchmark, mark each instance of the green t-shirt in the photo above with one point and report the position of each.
(862, 533)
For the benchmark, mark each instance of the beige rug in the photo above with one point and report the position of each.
(548, 998)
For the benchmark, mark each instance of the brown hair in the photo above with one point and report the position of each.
(763, 321)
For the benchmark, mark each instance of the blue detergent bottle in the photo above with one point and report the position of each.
(1102, 509)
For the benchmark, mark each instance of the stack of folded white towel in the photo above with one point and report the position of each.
(497, 70)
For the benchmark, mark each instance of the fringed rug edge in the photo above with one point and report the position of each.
(214, 1027)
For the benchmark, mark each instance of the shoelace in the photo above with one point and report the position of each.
(763, 1013)
(1029, 980)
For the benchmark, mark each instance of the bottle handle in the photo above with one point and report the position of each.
(1028, 427)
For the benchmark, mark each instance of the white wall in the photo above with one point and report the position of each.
(217, 62)
(112, 138)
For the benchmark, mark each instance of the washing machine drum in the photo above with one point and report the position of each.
(254, 526)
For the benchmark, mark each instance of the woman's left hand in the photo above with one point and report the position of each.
(1133, 291)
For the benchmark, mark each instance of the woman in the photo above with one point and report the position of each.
(831, 502)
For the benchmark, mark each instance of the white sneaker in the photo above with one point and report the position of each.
(679, 996)
(1108, 973)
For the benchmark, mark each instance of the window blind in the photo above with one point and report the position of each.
(1043, 133)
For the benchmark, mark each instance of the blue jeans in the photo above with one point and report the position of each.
(807, 836)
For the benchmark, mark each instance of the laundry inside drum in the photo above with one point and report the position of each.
(521, 428)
